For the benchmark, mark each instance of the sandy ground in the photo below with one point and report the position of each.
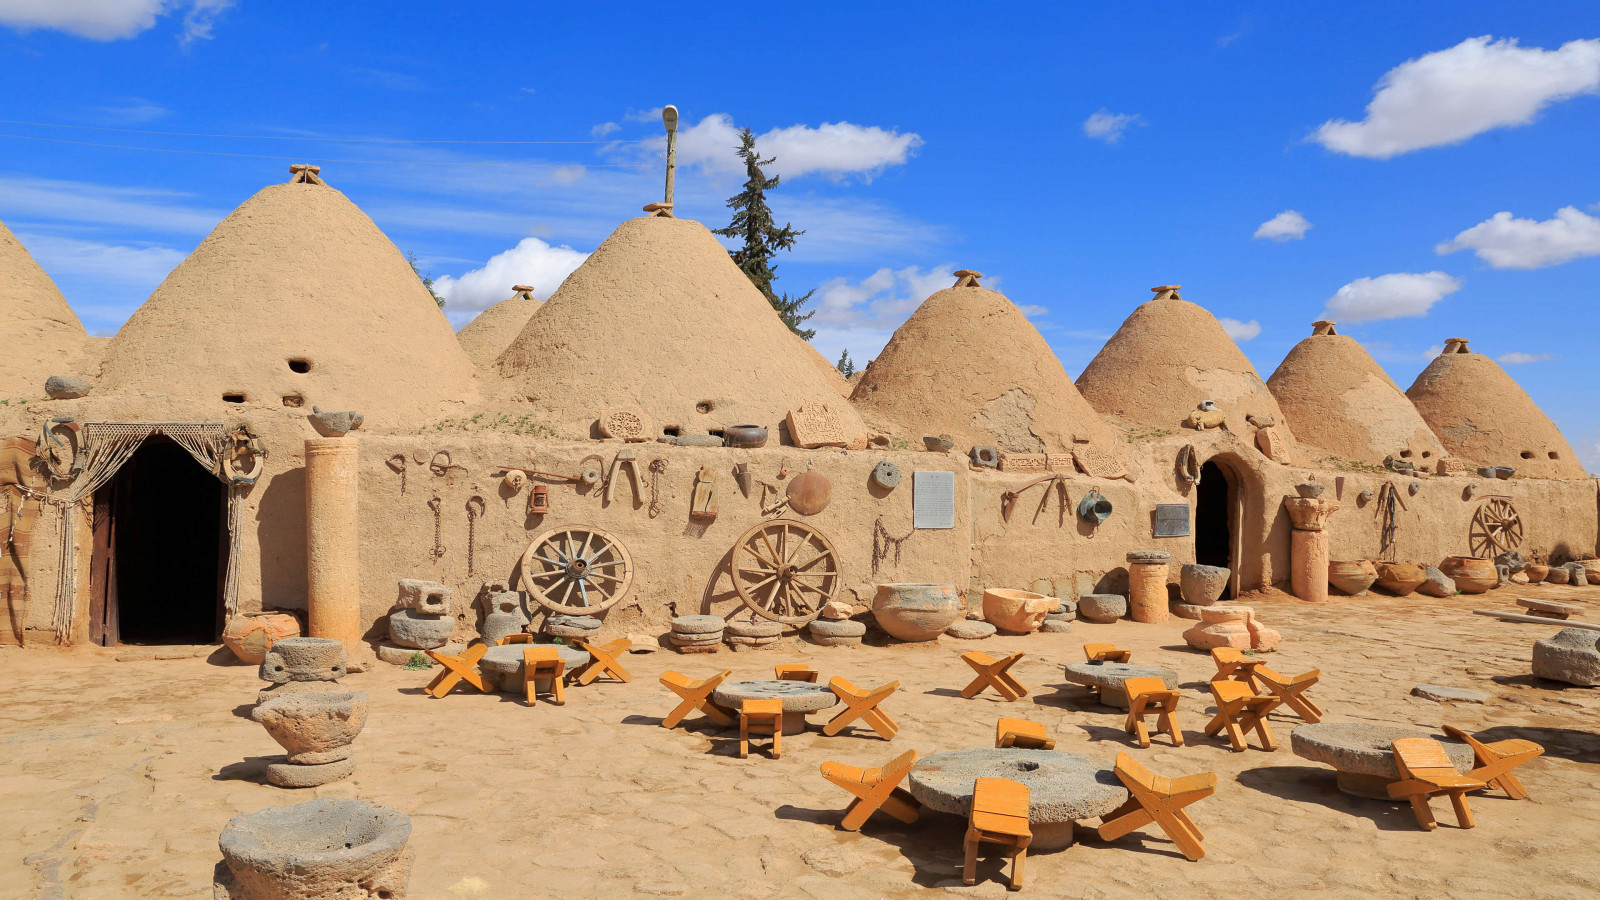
(118, 776)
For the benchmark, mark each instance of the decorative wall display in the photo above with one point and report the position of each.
(933, 499)
(1172, 520)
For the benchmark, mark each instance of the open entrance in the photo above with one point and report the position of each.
(1213, 521)
(160, 551)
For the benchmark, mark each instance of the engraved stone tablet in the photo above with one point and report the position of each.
(1172, 520)
(933, 499)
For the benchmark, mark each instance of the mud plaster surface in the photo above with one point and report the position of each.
(117, 783)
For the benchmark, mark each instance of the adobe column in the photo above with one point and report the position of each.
(333, 577)
(1308, 543)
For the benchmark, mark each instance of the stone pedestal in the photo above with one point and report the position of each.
(333, 578)
(1147, 585)
(1308, 546)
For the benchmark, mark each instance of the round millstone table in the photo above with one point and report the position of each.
(1107, 678)
(1062, 787)
(800, 698)
(505, 663)
(1360, 753)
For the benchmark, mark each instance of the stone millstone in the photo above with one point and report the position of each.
(1102, 608)
(1436, 583)
(1439, 693)
(1068, 608)
(1185, 610)
(755, 629)
(297, 687)
(291, 775)
(303, 659)
(1550, 608)
(1062, 787)
(1055, 626)
(396, 655)
(1108, 677)
(699, 648)
(714, 637)
(835, 633)
(1362, 749)
(424, 631)
(1571, 655)
(970, 629)
(739, 640)
(698, 625)
(570, 632)
(737, 647)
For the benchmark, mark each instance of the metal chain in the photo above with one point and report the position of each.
(657, 466)
(473, 512)
(438, 544)
(401, 457)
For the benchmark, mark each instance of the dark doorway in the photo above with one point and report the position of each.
(159, 551)
(1213, 521)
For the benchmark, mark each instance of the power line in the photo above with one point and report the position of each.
(324, 159)
(279, 137)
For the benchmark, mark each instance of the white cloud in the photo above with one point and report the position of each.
(1394, 296)
(1448, 96)
(604, 129)
(134, 111)
(1108, 126)
(1433, 351)
(1518, 358)
(862, 315)
(99, 204)
(95, 261)
(1032, 310)
(110, 20)
(1509, 243)
(1285, 226)
(1241, 331)
(531, 262)
(835, 150)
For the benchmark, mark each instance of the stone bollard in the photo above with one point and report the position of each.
(333, 577)
(1308, 546)
(1147, 585)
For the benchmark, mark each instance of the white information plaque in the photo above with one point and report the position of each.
(933, 499)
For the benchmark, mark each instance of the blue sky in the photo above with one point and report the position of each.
(1076, 154)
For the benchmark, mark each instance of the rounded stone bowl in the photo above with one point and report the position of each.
(424, 631)
(1102, 608)
(1202, 585)
(916, 612)
(315, 727)
(323, 848)
(1016, 612)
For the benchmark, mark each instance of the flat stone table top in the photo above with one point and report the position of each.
(797, 696)
(1062, 787)
(1109, 676)
(1361, 749)
(506, 659)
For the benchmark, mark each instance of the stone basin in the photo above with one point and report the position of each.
(916, 612)
(321, 849)
(1361, 756)
(315, 727)
(1062, 787)
(1107, 678)
(1016, 612)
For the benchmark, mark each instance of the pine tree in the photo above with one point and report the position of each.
(845, 365)
(426, 278)
(752, 221)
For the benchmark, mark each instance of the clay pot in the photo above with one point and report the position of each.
(1352, 576)
(744, 436)
(251, 635)
(1017, 612)
(1471, 574)
(315, 727)
(1401, 579)
(1535, 572)
(916, 612)
(1202, 585)
(324, 848)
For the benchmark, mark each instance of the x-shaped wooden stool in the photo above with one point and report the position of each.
(1101, 652)
(875, 789)
(1291, 691)
(761, 717)
(457, 669)
(795, 672)
(1161, 800)
(1151, 697)
(1234, 665)
(1239, 710)
(695, 695)
(1496, 760)
(543, 663)
(992, 673)
(862, 705)
(1022, 734)
(604, 661)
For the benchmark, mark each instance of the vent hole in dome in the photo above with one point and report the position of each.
(294, 400)
(232, 398)
(1554, 455)
(1527, 454)
(300, 366)
(1427, 453)
(703, 407)
(1405, 454)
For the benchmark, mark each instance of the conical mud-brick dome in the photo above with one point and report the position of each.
(659, 317)
(969, 364)
(830, 372)
(295, 299)
(1166, 359)
(39, 334)
(1341, 403)
(488, 335)
(1485, 418)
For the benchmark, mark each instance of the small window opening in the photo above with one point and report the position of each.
(301, 366)
(1527, 454)
(232, 398)
(1405, 454)
(703, 407)
(673, 430)
(1427, 453)
(1554, 455)
(294, 400)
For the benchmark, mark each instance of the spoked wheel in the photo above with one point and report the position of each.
(577, 571)
(785, 571)
(1496, 529)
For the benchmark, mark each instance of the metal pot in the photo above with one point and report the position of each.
(744, 436)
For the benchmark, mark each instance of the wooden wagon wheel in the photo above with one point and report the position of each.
(577, 571)
(785, 571)
(1496, 528)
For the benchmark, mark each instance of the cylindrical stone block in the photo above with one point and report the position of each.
(333, 578)
(1308, 564)
(1147, 592)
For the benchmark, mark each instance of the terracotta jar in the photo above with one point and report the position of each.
(1400, 579)
(1016, 612)
(1536, 573)
(1352, 576)
(251, 635)
(916, 612)
(1472, 575)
